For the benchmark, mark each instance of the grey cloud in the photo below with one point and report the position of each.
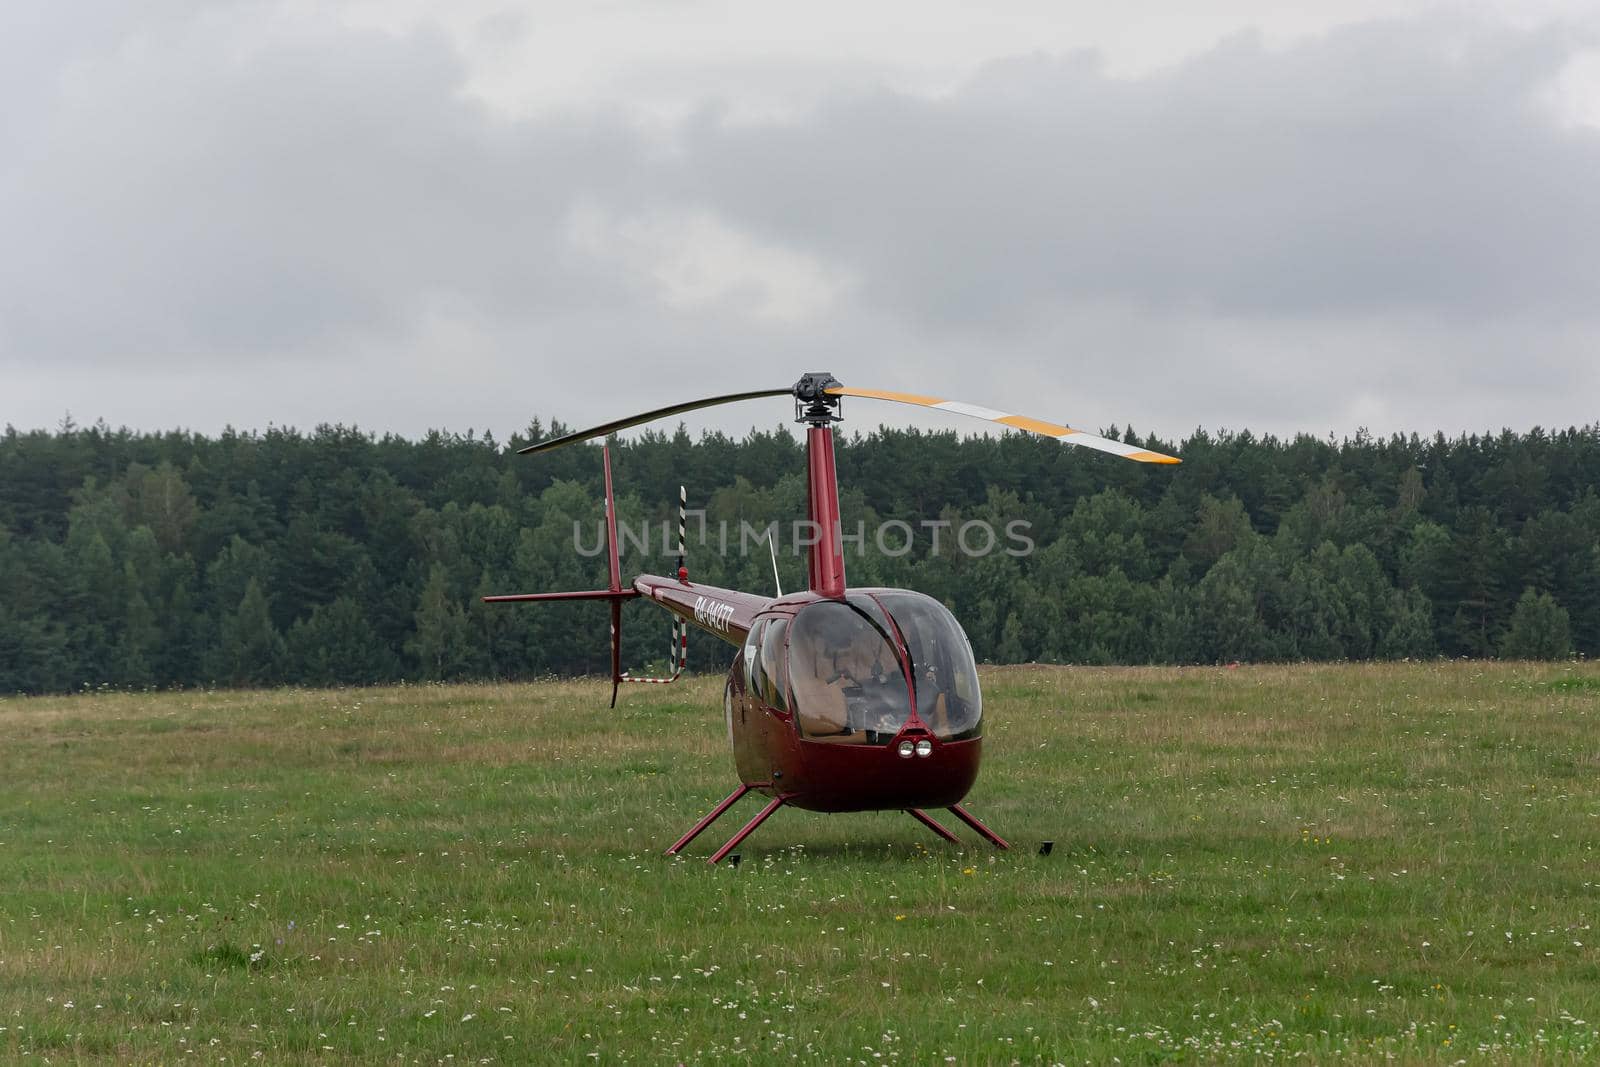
(1382, 167)
(308, 223)
(250, 184)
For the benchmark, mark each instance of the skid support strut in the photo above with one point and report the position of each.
(716, 813)
(927, 820)
(733, 842)
(983, 831)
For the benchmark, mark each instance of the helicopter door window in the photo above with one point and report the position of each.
(845, 682)
(771, 669)
(752, 659)
(942, 668)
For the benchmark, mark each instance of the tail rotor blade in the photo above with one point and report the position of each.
(1065, 434)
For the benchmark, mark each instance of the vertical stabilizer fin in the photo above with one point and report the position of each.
(678, 653)
(614, 559)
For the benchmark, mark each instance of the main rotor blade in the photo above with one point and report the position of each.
(1016, 422)
(650, 416)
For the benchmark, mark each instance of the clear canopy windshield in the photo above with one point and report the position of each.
(848, 685)
(946, 679)
(845, 679)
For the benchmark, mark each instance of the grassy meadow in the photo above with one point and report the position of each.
(1353, 863)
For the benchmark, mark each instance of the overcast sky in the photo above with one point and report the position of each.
(1282, 216)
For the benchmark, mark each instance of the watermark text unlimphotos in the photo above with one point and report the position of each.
(893, 538)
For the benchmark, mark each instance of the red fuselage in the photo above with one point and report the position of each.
(791, 725)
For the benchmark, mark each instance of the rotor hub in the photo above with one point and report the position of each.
(812, 403)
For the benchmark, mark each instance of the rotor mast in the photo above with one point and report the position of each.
(819, 410)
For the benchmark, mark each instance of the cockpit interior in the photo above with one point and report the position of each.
(838, 667)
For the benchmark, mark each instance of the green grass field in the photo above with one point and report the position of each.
(1346, 862)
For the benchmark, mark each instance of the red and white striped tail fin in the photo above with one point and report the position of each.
(678, 653)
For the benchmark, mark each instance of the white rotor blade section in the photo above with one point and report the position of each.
(1017, 422)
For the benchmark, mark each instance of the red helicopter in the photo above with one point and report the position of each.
(839, 699)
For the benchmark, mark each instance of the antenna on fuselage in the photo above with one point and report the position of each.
(772, 543)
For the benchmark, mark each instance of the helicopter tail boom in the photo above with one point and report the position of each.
(580, 594)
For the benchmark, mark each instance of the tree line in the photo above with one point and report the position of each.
(342, 557)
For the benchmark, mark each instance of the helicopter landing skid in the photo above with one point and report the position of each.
(777, 802)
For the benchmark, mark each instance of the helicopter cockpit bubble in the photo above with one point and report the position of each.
(845, 678)
(949, 701)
